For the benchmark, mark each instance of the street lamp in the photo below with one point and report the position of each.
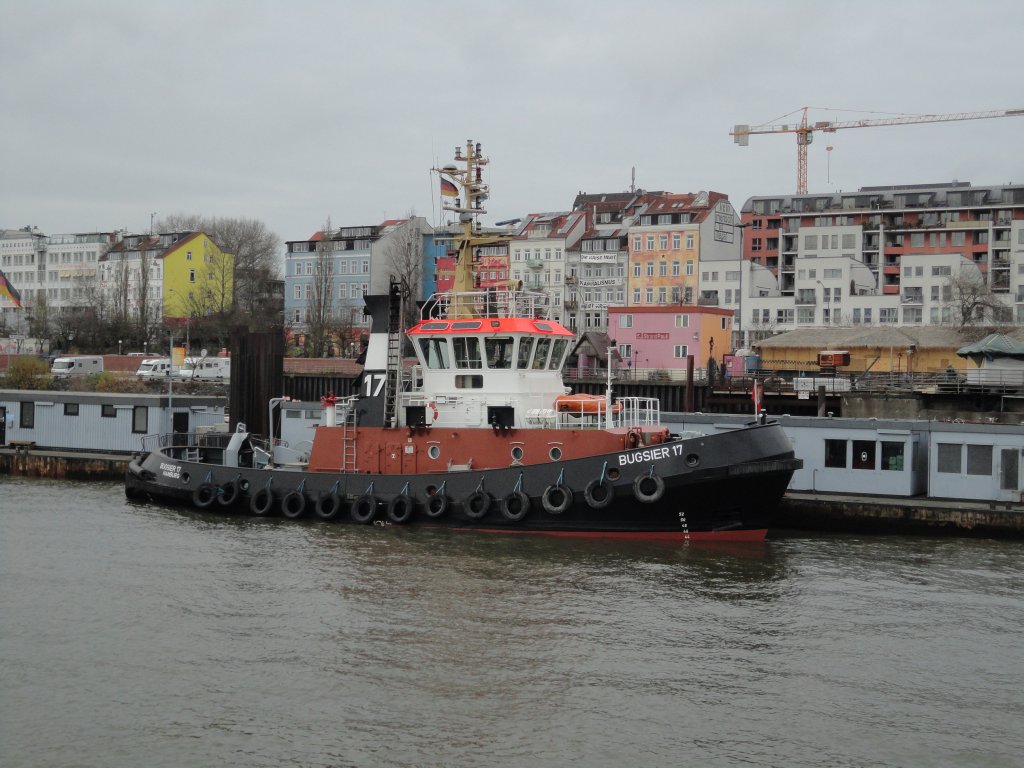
(824, 300)
(119, 346)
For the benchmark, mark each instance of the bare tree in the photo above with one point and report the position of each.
(320, 310)
(972, 300)
(404, 254)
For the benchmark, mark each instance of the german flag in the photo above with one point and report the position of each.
(448, 188)
(9, 291)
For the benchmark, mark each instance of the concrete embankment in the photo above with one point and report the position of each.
(63, 465)
(874, 514)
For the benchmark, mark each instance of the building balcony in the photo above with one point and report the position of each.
(704, 300)
(806, 298)
(570, 280)
(534, 263)
(572, 304)
(891, 290)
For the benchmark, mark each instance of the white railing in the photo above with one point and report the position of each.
(491, 303)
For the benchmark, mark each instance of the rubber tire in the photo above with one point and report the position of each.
(599, 503)
(437, 505)
(228, 494)
(364, 508)
(645, 496)
(328, 505)
(203, 496)
(401, 509)
(293, 505)
(262, 508)
(515, 506)
(549, 505)
(477, 505)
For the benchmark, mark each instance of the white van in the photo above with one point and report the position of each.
(76, 366)
(206, 368)
(154, 367)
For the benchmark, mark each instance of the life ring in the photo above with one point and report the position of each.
(401, 509)
(262, 502)
(437, 505)
(364, 508)
(515, 506)
(293, 504)
(328, 505)
(556, 499)
(599, 493)
(433, 409)
(648, 488)
(477, 505)
(204, 495)
(228, 494)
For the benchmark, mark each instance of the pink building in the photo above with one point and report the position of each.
(654, 339)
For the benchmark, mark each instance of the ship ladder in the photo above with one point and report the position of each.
(393, 371)
(348, 437)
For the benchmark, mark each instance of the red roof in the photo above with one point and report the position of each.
(489, 326)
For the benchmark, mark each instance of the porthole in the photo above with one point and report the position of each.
(613, 474)
(517, 453)
(185, 477)
(244, 485)
(434, 451)
(555, 453)
(692, 460)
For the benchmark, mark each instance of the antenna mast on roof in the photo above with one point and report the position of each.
(632, 181)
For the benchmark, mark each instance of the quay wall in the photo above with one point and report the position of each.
(62, 465)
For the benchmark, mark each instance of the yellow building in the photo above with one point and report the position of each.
(885, 349)
(197, 277)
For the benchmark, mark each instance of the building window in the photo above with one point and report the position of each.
(650, 269)
(689, 242)
(662, 294)
(663, 242)
(188, 256)
(140, 419)
(675, 242)
(949, 458)
(835, 453)
(637, 242)
(863, 454)
(679, 351)
(649, 294)
(979, 460)
(636, 269)
(625, 321)
(675, 269)
(689, 269)
(107, 411)
(650, 242)
(191, 275)
(297, 292)
(28, 415)
(663, 269)
(892, 457)
(682, 321)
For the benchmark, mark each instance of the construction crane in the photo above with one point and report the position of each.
(805, 131)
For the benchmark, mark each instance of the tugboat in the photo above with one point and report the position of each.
(482, 433)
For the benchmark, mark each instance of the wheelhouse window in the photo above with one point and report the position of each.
(949, 458)
(979, 459)
(435, 353)
(70, 409)
(498, 352)
(557, 353)
(107, 411)
(525, 349)
(467, 352)
(540, 358)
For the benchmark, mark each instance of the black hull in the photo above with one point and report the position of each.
(723, 486)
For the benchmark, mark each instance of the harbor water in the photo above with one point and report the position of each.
(137, 634)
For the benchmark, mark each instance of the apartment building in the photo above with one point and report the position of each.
(669, 236)
(539, 259)
(359, 260)
(171, 275)
(901, 255)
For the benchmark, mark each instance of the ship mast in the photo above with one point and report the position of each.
(468, 204)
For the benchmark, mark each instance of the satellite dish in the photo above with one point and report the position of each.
(203, 353)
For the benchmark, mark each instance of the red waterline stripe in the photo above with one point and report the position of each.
(672, 536)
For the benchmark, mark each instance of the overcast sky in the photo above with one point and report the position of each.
(293, 112)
